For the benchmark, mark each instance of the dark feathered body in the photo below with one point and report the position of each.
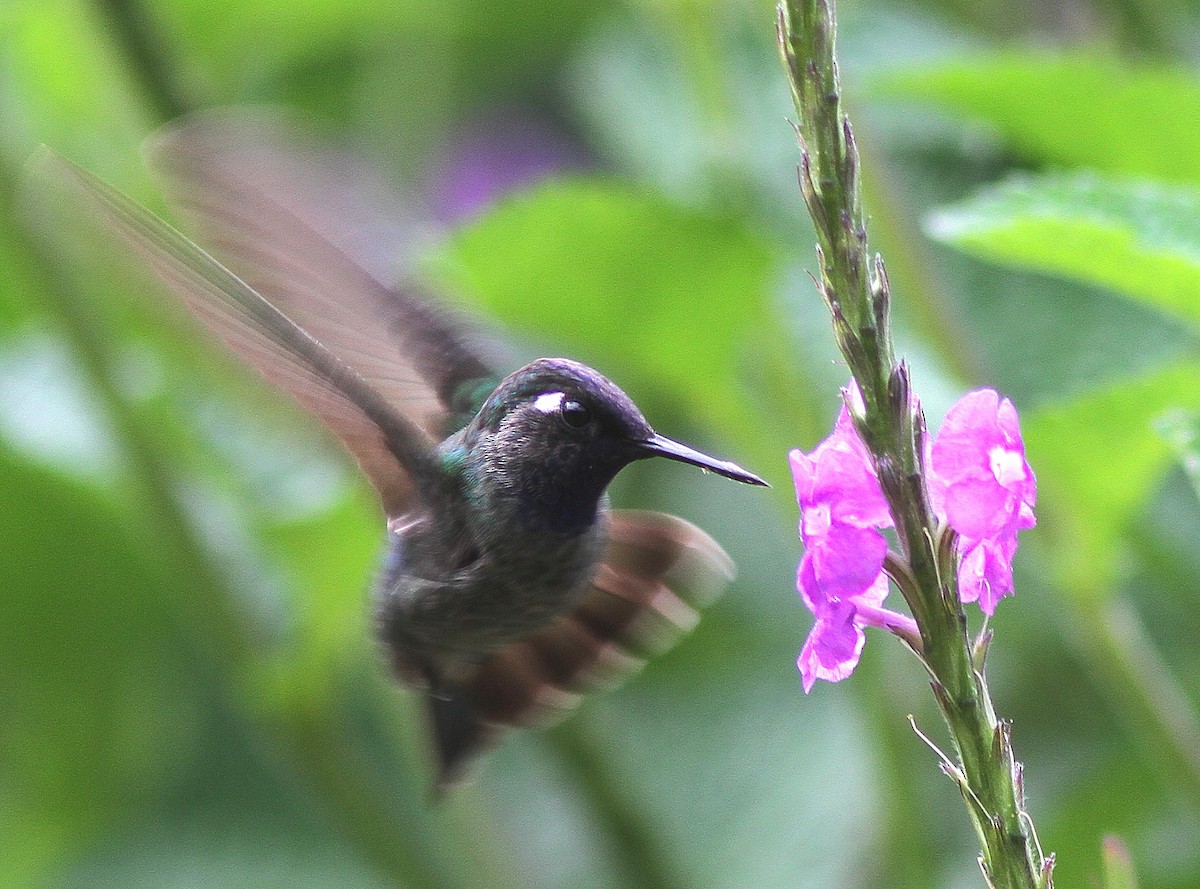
(515, 538)
(510, 588)
(435, 626)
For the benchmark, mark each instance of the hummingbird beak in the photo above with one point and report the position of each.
(661, 446)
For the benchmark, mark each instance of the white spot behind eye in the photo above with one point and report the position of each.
(548, 402)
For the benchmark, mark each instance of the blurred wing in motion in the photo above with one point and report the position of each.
(657, 573)
(326, 240)
(391, 449)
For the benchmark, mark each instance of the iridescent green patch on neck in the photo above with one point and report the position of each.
(468, 399)
(454, 461)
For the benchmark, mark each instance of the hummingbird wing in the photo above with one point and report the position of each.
(657, 572)
(327, 241)
(393, 451)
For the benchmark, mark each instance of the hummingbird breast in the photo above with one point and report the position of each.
(451, 595)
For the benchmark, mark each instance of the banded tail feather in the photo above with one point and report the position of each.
(657, 572)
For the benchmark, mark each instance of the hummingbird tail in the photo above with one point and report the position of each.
(459, 732)
(657, 572)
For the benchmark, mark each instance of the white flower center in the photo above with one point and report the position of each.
(817, 519)
(1007, 466)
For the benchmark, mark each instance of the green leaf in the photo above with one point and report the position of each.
(1139, 238)
(96, 699)
(651, 290)
(1074, 110)
(1098, 459)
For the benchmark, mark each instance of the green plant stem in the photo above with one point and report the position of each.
(1130, 668)
(342, 778)
(855, 288)
(131, 29)
(631, 831)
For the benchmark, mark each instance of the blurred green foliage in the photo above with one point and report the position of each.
(189, 695)
(1139, 238)
(1093, 110)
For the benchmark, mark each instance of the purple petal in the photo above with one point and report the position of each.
(839, 473)
(934, 484)
(846, 478)
(885, 619)
(978, 506)
(970, 573)
(848, 561)
(815, 521)
(806, 584)
(1028, 487)
(969, 431)
(1010, 425)
(997, 572)
(869, 610)
(831, 651)
(1025, 518)
(1008, 467)
(860, 500)
(844, 424)
(979, 480)
(985, 573)
(804, 475)
(872, 596)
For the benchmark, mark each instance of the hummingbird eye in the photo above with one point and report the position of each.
(575, 414)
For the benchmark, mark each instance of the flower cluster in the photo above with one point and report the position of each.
(840, 578)
(980, 485)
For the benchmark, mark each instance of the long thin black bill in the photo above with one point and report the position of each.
(661, 446)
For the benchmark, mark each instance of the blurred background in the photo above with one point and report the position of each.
(189, 694)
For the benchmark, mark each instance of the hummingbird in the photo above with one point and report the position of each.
(510, 587)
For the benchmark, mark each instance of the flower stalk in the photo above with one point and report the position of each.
(889, 422)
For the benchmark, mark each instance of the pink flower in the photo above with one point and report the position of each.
(982, 486)
(840, 578)
(835, 643)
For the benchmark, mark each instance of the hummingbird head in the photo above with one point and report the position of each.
(557, 432)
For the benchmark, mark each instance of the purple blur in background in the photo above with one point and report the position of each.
(497, 154)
